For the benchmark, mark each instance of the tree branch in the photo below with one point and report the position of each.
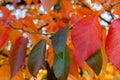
(22, 29)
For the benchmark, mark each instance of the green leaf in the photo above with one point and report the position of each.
(95, 62)
(59, 40)
(61, 64)
(36, 59)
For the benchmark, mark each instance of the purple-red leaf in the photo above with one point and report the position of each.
(36, 59)
(87, 36)
(17, 55)
(113, 43)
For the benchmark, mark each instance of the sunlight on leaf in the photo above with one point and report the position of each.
(85, 33)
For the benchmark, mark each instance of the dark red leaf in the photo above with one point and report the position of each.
(17, 55)
(113, 43)
(87, 36)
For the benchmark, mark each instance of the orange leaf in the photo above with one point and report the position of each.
(50, 56)
(5, 72)
(104, 56)
(28, 24)
(113, 43)
(28, 1)
(19, 76)
(117, 9)
(47, 4)
(68, 6)
(14, 34)
(74, 68)
(87, 36)
(83, 11)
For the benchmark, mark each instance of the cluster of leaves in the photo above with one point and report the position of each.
(74, 40)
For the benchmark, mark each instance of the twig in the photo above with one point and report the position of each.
(3, 54)
(105, 20)
(22, 29)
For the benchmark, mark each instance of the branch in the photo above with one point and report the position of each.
(27, 31)
(3, 54)
(105, 20)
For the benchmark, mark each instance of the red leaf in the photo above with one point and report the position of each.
(35, 1)
(86, 36)
(117, 9)
(14, 2)
(113, 43)
(47, 4)
(6, 12)
(17, 55)
(4, 38)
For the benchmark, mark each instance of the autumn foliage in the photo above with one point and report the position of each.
(59, 39)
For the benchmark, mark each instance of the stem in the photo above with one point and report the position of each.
(50, 73)
(3, 54)
(22, 29)
(105, 20)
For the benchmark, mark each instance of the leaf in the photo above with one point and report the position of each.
(17, 55)
(16, 34)
(50, 56)
(28, 24)
(6, 13)
(35, 1)
(113, 43)
(95, 62)
(47, 4)
(19, 76)
(74, 68)
(59, 40)
(61, 64)
(28, 2)
(117, 9)
(36, 58)
(87, 36)
(83, 11)
(4, 38)
(5, 72)
(64, 6)
(14, 2)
